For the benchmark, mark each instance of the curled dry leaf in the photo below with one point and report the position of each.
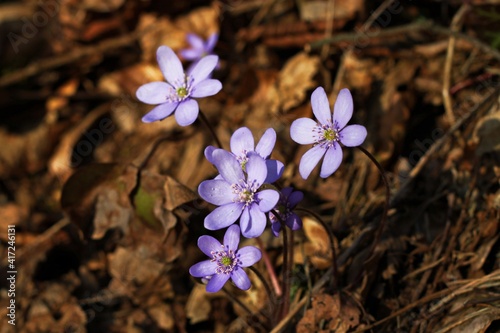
(133, 269)
(109, 185)
(317, 247)
(486, 134)
(296, 79)
(332, 313)
(198, 306)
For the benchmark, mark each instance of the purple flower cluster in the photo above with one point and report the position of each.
(245, 189)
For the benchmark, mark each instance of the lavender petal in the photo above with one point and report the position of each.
(207, 244)
(353, 135)
(203, 68)
(266, 144)
(249, 255)
(228, 166)
(309, 160)
(217, 282)
(223, 216)
(242, 142)
(321, 106)
(331, 163)
(240, 279)
(232, 237)
(170, 65)
(302, 131)
(153, 93)
(160, 112)
(203, 268)
(342, 111)
(208, 87)
(268, 199)
(217, 192)
(187, 112)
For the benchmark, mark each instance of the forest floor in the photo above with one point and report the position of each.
(100, 213)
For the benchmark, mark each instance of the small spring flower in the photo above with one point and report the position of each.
(199, 48)
(238, 194)
(176, 95)
(289, 199)
(226, 261)
(326, 134)
(243, 145)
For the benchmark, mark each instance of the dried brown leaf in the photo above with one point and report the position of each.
(316, 248)
(295, 79)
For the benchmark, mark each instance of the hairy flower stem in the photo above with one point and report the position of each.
(269, 290)
(286, 268)
(252, 321)
(335, 281)
(383, 220)
(204, 120)
(270, 268)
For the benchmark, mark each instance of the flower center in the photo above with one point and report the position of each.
(226, 260)
(326, 134)
(245, 192)
(180, 90)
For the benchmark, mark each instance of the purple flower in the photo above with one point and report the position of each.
(227, 261)
(176, 95)
(243, 145)
(199, 48)
(327, 133)
(288, 200)
(237, 194)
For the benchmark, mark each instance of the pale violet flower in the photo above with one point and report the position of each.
(227, 261)
(289, 199)
(238, 194)
(177, 93)
(327, 133)
(198, 47)
(242, 146)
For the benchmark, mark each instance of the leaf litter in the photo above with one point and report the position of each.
(106, 208)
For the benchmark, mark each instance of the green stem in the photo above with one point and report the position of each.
(204, 120)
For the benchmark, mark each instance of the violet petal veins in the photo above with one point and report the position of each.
(226, 261)
(327, 133)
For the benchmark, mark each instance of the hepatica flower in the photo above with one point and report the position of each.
(327, 133)
(287, 202)
(199, 48)
(243, 145)
(238, 194)
(226, 261)
(177, 93)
